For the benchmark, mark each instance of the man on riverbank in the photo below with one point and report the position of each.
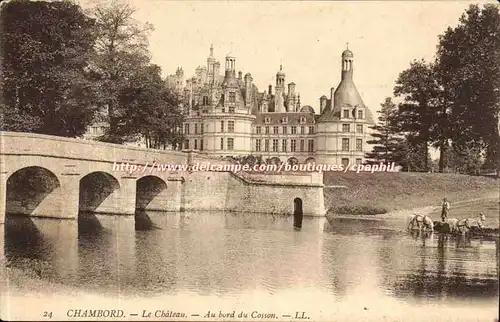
(444, 210)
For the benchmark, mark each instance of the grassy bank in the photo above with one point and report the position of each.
(376, 193)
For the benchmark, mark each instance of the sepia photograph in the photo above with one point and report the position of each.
(166, 160)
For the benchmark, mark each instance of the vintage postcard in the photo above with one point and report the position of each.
(249, 160)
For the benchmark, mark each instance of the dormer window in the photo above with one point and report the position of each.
(284, 120)
(232, 97)
(205, 100)
(302, 120)
(346, 114)
(231, 109)
(360, 114)
(267, 120)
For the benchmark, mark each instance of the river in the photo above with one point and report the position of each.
(204, 263)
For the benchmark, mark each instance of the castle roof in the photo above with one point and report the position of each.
(347, 53)
(307, 109)
(293, 118)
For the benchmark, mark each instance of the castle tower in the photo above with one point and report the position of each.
(216, 71)
(210, 65)
(347, 64)
(346, 114)
(248, 90)
(230, 67)
(228, 131)
(280, 79)
(347, 95)
(322, 103)
(279, 92)
(292, 99)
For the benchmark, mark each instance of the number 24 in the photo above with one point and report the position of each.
(47, 314)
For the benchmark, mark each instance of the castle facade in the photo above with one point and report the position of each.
(229, 116)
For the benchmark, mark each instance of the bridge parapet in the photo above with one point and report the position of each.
(60, 147)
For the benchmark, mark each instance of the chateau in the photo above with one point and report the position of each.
(229, 116)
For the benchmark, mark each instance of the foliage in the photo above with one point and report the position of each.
(411, 155)
(121, 55)
(418, 113)
(149, 110)
(469, 65)
(464, 159)
(386, 135)
(357, 210)
(45, 51)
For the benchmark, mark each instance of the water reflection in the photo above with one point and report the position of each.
(231, 254)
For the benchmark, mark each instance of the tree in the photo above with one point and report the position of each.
(465, 161)
(468, 60)
(121, 54)
(149, 110)
(386, 137)
(46, 47)
(419, 112)
(411, 155)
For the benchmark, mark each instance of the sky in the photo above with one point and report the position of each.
(306, 37)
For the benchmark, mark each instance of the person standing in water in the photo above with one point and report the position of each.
(444, 210)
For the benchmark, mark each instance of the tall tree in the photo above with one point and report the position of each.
(418, 114)
(121, 54)
(386, 139)
(150, 110)
(411, 155)
(469, 63)
(45, 48)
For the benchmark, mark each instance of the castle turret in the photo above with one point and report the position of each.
(248, 89)
(280, 80)
(347, 64)
(211, 65)
(322, 103)
(230, 67)
(291, 89)
(230, 76)
(291, 98)
(347, 95)
(216, 71)
(279, 91)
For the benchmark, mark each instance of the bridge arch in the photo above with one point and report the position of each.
(98, 192)
(28, 190)
(150, 193)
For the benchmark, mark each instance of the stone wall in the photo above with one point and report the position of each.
(223, 191)
(274, 197)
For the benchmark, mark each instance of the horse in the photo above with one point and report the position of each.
(465, 224)
(452, 222)
(421, 222)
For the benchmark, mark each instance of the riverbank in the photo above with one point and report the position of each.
(383, 193)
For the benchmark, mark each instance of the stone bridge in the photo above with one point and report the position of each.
(49, 176)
